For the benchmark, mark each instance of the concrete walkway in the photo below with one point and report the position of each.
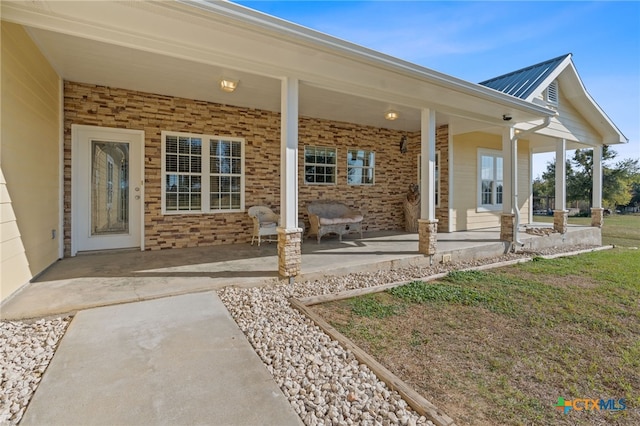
(171, 361)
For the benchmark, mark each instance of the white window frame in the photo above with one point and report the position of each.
(494, 205)
(334, 165)
(205, 174)
(363, 169)
(437, 177)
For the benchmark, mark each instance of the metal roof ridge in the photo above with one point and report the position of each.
(558, 61)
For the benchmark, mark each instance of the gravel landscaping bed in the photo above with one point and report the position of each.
(25, 352)
(324, 383)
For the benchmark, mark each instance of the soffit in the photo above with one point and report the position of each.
(173, 49)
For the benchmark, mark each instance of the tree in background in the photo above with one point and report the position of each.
(618, 181)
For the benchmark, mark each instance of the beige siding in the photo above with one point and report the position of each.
(465, 181)
(29, 148)
(569, 124)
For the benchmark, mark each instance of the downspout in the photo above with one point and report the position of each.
(514, 178)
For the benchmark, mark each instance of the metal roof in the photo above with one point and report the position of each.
(523, 82)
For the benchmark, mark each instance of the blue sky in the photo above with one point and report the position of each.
(476, 40)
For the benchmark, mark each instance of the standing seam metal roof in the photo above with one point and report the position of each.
(523, 82)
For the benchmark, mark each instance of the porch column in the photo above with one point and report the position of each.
(507, 218)
(427, 224)
(597, 212)
(560, 213)
(289, 235)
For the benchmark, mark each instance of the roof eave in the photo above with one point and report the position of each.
(273, 26)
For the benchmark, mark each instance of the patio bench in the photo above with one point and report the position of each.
(333, 217)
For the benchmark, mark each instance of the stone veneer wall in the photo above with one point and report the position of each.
(381, 203)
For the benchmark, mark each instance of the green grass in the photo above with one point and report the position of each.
(500, 346)
(371, 307)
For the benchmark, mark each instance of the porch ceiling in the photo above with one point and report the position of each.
(166, 48)
(93, 62)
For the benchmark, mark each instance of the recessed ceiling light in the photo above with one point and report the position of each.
(391, 115)
(228, 85)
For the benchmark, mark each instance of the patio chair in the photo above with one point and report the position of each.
(265, 222)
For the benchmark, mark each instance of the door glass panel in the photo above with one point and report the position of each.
(109, 188)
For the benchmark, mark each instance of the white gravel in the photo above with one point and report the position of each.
(324, 383)
(25, 352)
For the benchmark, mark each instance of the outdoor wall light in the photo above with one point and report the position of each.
(391, 115)
(228, 85)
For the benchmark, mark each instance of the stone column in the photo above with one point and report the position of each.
(560, 220)
(507, 226)
(427, 236)
(289, 253)
(289, 235)
(597, 217)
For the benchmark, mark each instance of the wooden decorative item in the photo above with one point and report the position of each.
(412, 208)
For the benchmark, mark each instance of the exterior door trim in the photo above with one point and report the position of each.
(75, 164)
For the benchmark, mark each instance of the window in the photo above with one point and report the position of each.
(202, 173)
(490, 181)
(360, 167)
(551, 93)
(319, 165)
(437, 177)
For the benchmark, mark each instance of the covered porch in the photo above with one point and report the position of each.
(114, 277)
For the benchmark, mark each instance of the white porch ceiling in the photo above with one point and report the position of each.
(183, 50)
(93, 62)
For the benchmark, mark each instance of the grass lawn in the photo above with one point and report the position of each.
(500, 347)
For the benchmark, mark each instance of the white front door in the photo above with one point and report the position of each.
(107, 193)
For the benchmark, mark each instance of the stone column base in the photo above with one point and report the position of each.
(289, 253)
(427, 236)
(597, 217)
(507, 225)
(560, 221)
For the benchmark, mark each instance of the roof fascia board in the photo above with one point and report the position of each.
(315, 39)
(85, 24)
(613, 135)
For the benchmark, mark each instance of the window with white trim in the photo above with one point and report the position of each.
(490, 179)
(437, 176)
(320, 165)
(360, 167)
(202, 173)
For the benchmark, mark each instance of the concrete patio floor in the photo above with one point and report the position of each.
(108, 278)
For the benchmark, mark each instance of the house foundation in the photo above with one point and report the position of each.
(289, 253)
(507, 226)
(560, 221)
(427, 236)
(597, 217)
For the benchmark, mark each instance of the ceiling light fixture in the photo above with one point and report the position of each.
(228, 85)
(391, 115)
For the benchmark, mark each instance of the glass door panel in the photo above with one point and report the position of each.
(109, 188)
